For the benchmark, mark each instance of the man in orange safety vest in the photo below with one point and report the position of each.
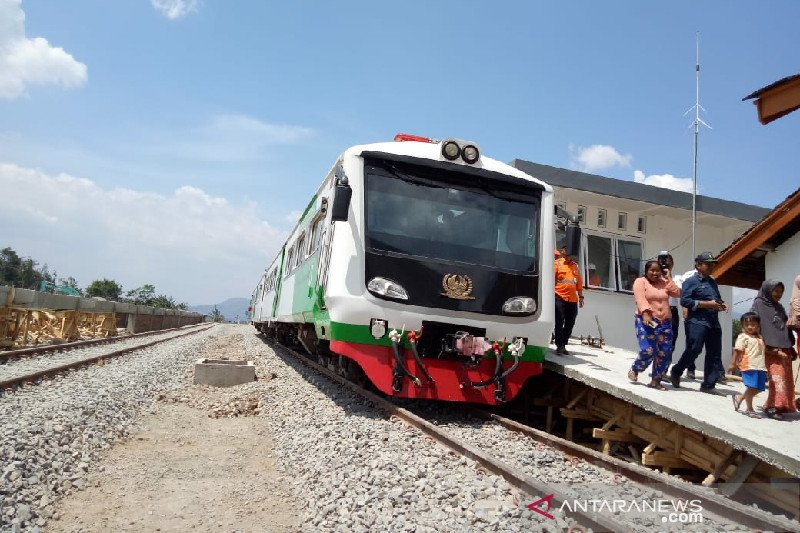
(569, 296)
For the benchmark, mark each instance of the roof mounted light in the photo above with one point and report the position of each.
(470, 154)
(450, 150)
(400, 137)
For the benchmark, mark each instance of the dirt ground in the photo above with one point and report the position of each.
(184, 470)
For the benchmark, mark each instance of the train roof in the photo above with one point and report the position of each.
(433, 151)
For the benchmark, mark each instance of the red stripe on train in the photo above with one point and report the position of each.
(377, 363)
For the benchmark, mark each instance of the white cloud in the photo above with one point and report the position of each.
(293, 216)
(598, 157)
(195, 247)
(175, 9)
(25, 61)
(666, 181)
(231, 137)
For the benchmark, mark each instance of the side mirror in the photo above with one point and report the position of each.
(573, 240)
(341, 200)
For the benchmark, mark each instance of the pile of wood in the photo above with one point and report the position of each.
(629, 431)
(30, 327)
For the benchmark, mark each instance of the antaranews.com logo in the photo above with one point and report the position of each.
(670, 511)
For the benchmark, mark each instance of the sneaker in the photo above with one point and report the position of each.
(690, 374)
(560, 350)
(675, 379)
(564, 351)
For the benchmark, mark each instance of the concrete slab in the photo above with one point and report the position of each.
(772, 441)
(223, 373)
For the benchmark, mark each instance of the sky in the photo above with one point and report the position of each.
(174, 142)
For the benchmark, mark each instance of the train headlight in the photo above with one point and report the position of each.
(470, 154)
(520, 305)
(450, 150)
(377, 328)
(387, 288)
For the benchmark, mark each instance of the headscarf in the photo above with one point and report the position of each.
(772, 316)
(794, 304)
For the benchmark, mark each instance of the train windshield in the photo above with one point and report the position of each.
(419, 211)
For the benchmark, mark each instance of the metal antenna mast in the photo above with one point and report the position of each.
(696, 123)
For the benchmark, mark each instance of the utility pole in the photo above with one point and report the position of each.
(696, 123)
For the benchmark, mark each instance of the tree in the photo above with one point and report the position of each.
(10, 264)
(143, 295)
(22, 272)
(70, 282)
(163, 301)
(105, 288)
(216, 316)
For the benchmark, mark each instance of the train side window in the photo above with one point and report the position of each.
(289, 259)
(316, 235)
(301, 249)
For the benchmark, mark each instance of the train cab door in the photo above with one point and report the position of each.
(324, 263)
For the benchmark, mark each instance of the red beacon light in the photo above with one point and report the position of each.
(401, 137)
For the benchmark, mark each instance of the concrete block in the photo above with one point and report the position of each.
(6, 295)
(223, 373)
(124, 307)
(23, 297)
(56, 302)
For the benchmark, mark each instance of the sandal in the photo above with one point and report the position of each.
(633, 376)
(737, 401)
(656, 385)
(773, 414)
(752, 414)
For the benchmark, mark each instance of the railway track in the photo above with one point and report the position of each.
(23, 367)
(455, 431)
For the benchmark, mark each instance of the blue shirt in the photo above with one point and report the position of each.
(695, 289)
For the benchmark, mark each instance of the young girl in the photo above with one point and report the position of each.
(748, 355)
(653, 321)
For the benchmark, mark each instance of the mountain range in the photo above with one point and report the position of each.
(232, 309)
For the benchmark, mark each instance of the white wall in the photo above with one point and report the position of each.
(615, 312)
(784, 264)
(666, 229)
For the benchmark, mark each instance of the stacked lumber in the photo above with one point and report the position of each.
(648, 439)
(30, 327)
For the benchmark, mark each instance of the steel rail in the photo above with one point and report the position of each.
(38, 350)
(19, 380)
(745, 515)
(521, 481)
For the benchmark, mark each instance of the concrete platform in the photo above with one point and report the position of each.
(774, 442)
(223, 373)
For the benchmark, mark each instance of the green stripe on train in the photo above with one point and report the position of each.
(361, 335)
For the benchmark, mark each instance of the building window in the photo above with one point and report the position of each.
(629, 263)
(601, 218)
(611, 263)
(641, 226)
(582, 214)
(622, 221)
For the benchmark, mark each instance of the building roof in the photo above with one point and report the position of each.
(777, 99)
(742, 263)
(572, 179)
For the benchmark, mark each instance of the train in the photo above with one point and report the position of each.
(421, 267)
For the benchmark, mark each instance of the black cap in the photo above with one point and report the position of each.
(705, 257)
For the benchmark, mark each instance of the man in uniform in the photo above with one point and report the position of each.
(569, 296)
(700, 295)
